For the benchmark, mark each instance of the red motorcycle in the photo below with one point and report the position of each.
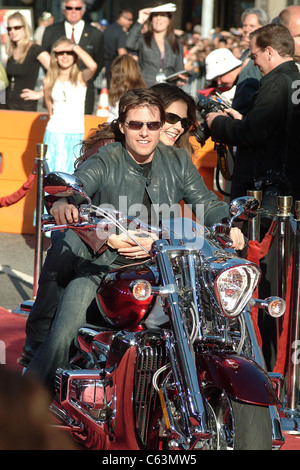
(178, 366)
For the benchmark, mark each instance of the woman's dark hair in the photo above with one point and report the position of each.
(169, 94)
(125, 75)
(171, 37)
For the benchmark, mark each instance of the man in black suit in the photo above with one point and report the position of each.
(115, 38)
(87, 36)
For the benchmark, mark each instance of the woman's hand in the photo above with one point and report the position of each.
(144, 15)
(128, 248)
(238, 238)
(65, 46)
(28, 94)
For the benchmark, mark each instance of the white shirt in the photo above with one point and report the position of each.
(68, 108)
(78, 28)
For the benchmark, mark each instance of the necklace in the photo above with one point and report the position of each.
(64, 91)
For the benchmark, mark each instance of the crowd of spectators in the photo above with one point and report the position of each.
(195, 47)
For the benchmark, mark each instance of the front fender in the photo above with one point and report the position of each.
(241, 378)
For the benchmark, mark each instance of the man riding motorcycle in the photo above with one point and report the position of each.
(144, 172)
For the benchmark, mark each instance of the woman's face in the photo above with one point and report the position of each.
(171, 132)
(160, 22)
(15, 30)
(64, 55)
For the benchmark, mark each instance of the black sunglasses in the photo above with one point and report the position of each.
(137, 125)
(9, 28)
(73, 8)
(254, 54)
(172, 118)
(59, 53)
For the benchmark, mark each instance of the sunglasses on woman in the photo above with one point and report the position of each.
(137, 125)
(172, 118)
(16, 28)
(60, 53)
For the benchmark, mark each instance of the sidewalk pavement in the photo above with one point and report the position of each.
(17, 268)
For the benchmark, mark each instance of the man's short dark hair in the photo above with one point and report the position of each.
(137, 98)
(124, 11)
(276, 36)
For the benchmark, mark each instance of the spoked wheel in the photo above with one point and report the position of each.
(237, 425)
(234, 425)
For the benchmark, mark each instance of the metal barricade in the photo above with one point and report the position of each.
(38, 252)
(286, 228)
(42, 168)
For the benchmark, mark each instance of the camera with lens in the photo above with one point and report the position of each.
(205, 106)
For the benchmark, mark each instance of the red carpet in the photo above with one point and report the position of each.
(12, 334)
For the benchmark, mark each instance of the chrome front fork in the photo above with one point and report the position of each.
(182, 346)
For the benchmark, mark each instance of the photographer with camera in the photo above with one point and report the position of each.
(267, 137)
(223, 68)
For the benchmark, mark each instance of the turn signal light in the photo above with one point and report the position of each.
(140, 289)
(276, 306)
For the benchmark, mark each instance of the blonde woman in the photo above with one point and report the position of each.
(23, 64)
(65, 91)
(125, 75)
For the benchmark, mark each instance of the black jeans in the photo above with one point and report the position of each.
(76, 307)
(66, 299)
(67, 251)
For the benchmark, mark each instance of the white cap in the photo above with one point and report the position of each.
(219, 62)
(166, 8)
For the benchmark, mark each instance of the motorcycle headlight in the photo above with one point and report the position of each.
(234, 288)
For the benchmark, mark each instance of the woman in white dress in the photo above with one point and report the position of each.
(64, 91)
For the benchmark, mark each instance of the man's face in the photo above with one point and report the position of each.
(126, 21)
(228, 79)
(74, 11)
(141, 143)
(250, 24)
(260, 57)
(294, 28)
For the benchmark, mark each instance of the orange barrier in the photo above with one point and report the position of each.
(20, 132)
(205, 160)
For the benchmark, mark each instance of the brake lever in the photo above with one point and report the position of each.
(79, 226)
(222, 233)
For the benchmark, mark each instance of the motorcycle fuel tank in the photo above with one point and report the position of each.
(116, 302)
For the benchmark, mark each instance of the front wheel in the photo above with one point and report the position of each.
(234, 426)
(237, 425)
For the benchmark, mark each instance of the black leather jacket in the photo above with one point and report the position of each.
(112, 177)
(262, 137)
